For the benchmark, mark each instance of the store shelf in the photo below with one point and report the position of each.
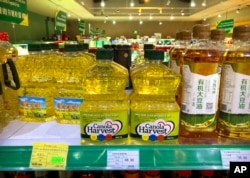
(16, 149)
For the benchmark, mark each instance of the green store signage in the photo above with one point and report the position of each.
(14, 11)
(60, 21)
(82, 26)
(227, 25)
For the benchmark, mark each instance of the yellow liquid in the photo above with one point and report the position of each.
(69, 86)
(105, 102)
(37, 87)
(200, 125)
(235, 125)
(152, 100)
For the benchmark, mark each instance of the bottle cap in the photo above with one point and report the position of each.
(201, 31)
(45, 46)
(184, 173)
(207, 173)
(241, 32)
(148, 46)
(217, 34)
(152, 54)
(34, 47)
(104, 53)
(185, 35)
(70, 47)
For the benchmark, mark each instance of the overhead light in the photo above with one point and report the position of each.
(182, 13)
(102, 3)
(130, 17)
(140, 22)
(168, 3)
(192, 4)
(204, 19)
(68, 15)
(171, 17)
(160, 23)
(132, 4)
(204, 3)
(114, 22)
(238, 11)
(219, 15)
(150, 17)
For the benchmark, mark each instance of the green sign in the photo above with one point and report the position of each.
(135, 32)
(14, 11)
(82, 26)
(227, 25)
(60, 21)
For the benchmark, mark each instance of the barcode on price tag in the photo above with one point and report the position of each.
(123, 159)
(228, 156)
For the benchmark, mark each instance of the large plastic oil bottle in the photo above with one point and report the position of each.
(37, 90)
(176, 53)
(234, 117)
(200, 88)
(104, 111)
(69, 95)
(153, 107)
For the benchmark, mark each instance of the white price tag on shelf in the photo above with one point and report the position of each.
(123, 159)
(228, 156)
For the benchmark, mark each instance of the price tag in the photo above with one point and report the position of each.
(49, 156)
(228, 156)
(123, 159)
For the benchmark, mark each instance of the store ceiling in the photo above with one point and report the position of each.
(121, 10)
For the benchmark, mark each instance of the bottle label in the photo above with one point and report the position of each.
(200, 88)
(98, 126)
(235, 99)
(154, 126)
(32, 106)
(67, 108)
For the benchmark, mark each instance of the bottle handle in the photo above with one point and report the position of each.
(14, 74)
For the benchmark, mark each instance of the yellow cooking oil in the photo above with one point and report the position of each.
(70, 90)
(200, 88)
(104, 111)
(234, 115)
(154, 112)
(35, 96)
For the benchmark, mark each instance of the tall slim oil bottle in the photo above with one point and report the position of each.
(200, 92)
(176, 61)
(234, 116)
(154, 111)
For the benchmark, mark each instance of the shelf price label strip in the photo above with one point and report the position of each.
(49, 156)
(228, 156)
(123, 159)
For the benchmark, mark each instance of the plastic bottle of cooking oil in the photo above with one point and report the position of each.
(104, 112)
(9, 81)
(184, 38)
(69, 86)
(154, 111)
(37, 90)
(200, 89)
(234, 117)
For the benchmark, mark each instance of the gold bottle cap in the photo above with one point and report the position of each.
(185, 35)
(241, 32)
(201, 31)
(217, 34)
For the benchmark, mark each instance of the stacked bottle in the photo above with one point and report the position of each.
(37, 89)
(69, 89)
(154, 111)
(200, 91)
(104, 112)
(234, 117)
(184, 38)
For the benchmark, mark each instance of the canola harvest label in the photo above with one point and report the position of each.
(67, 108)
(103, 126)
(32, 106)
(154, 126)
